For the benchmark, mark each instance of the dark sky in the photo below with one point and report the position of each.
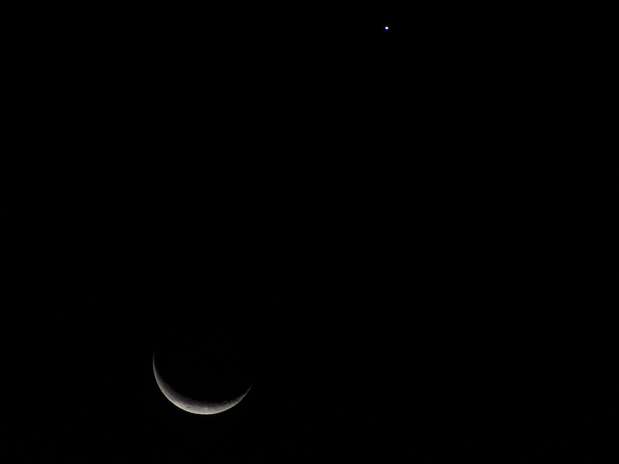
(378, 223)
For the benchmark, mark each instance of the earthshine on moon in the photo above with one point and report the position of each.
(191, 405)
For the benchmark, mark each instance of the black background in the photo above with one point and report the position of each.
(396, 229)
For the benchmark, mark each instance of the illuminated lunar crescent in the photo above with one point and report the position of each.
(194, 406)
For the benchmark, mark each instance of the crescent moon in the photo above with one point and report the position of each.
(189, 404)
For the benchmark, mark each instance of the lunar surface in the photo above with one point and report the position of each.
(191, 405)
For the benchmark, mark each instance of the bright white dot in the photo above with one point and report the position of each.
(386, 28)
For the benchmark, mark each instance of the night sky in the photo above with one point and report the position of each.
(377, 227)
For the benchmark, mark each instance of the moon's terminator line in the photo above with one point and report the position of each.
(191, 405)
